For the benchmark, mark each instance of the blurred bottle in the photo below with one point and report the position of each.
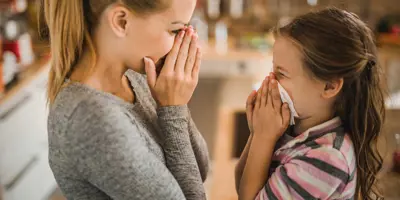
(213, 8)
(18, 41)
(20, 5)
(200, 24)
(396, 155)
(236, 8)
(221, 37)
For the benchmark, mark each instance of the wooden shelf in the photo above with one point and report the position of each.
(389, 39)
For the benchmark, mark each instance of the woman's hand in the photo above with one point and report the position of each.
(270, 117)
(179, 76)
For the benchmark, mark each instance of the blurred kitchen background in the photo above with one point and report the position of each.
(237, 42)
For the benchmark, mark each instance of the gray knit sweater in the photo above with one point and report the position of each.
(101, 147)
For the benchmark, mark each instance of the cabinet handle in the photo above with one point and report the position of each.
(18, 177)
(15, 107)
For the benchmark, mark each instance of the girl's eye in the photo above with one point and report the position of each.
(280, 75)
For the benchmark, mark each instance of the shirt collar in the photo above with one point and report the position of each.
(325, 127)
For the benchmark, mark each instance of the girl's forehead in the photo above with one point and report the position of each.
(286, 55)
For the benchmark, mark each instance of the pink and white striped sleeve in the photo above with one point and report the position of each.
(322, 173)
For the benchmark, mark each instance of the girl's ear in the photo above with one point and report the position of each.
(332, 88)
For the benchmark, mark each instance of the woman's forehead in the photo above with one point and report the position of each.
(179, 11)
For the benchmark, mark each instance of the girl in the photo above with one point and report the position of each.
(327, 62)
(108, 137)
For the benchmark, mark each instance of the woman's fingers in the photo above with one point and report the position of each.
(191, 56)
(276, 97)
(183, 52)
(197, 65)
(150, 72)
(171, 59)
(264, 93)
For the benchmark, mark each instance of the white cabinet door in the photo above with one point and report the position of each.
(23, 134)
(17, 139)
(37, 183)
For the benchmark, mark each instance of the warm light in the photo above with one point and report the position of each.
(312, 2)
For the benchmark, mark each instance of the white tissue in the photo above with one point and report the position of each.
(285, 99)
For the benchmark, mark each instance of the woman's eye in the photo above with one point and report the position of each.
(175, 32)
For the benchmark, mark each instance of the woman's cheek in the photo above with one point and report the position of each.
(166, 45)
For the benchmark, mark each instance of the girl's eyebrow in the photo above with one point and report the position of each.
(282, 69)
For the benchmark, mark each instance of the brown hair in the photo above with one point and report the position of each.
(70, 25)
(337, 44)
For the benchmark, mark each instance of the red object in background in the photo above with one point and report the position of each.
(15, 6)
(396, 30)
(5, 3)
(12, 46)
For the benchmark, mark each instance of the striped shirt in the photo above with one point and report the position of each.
(317, 164)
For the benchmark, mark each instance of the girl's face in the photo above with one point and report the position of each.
(305, 91)
(151, 36)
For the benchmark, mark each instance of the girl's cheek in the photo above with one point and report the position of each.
(288, 87)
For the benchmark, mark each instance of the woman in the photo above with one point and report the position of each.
(108, 137)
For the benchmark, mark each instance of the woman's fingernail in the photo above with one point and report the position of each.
(273, 81)
(181, 34)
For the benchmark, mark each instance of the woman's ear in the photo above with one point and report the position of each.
(118, 20)
(332, 88)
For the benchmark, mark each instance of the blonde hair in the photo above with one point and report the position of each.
(70, 24)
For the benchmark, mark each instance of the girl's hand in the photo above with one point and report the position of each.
(249, 109)
(179, 76)
(270, 117)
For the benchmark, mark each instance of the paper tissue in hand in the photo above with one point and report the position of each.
(285, 99)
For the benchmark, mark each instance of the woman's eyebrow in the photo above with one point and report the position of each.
(180, 22)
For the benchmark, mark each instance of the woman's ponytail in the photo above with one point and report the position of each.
(68, 33)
